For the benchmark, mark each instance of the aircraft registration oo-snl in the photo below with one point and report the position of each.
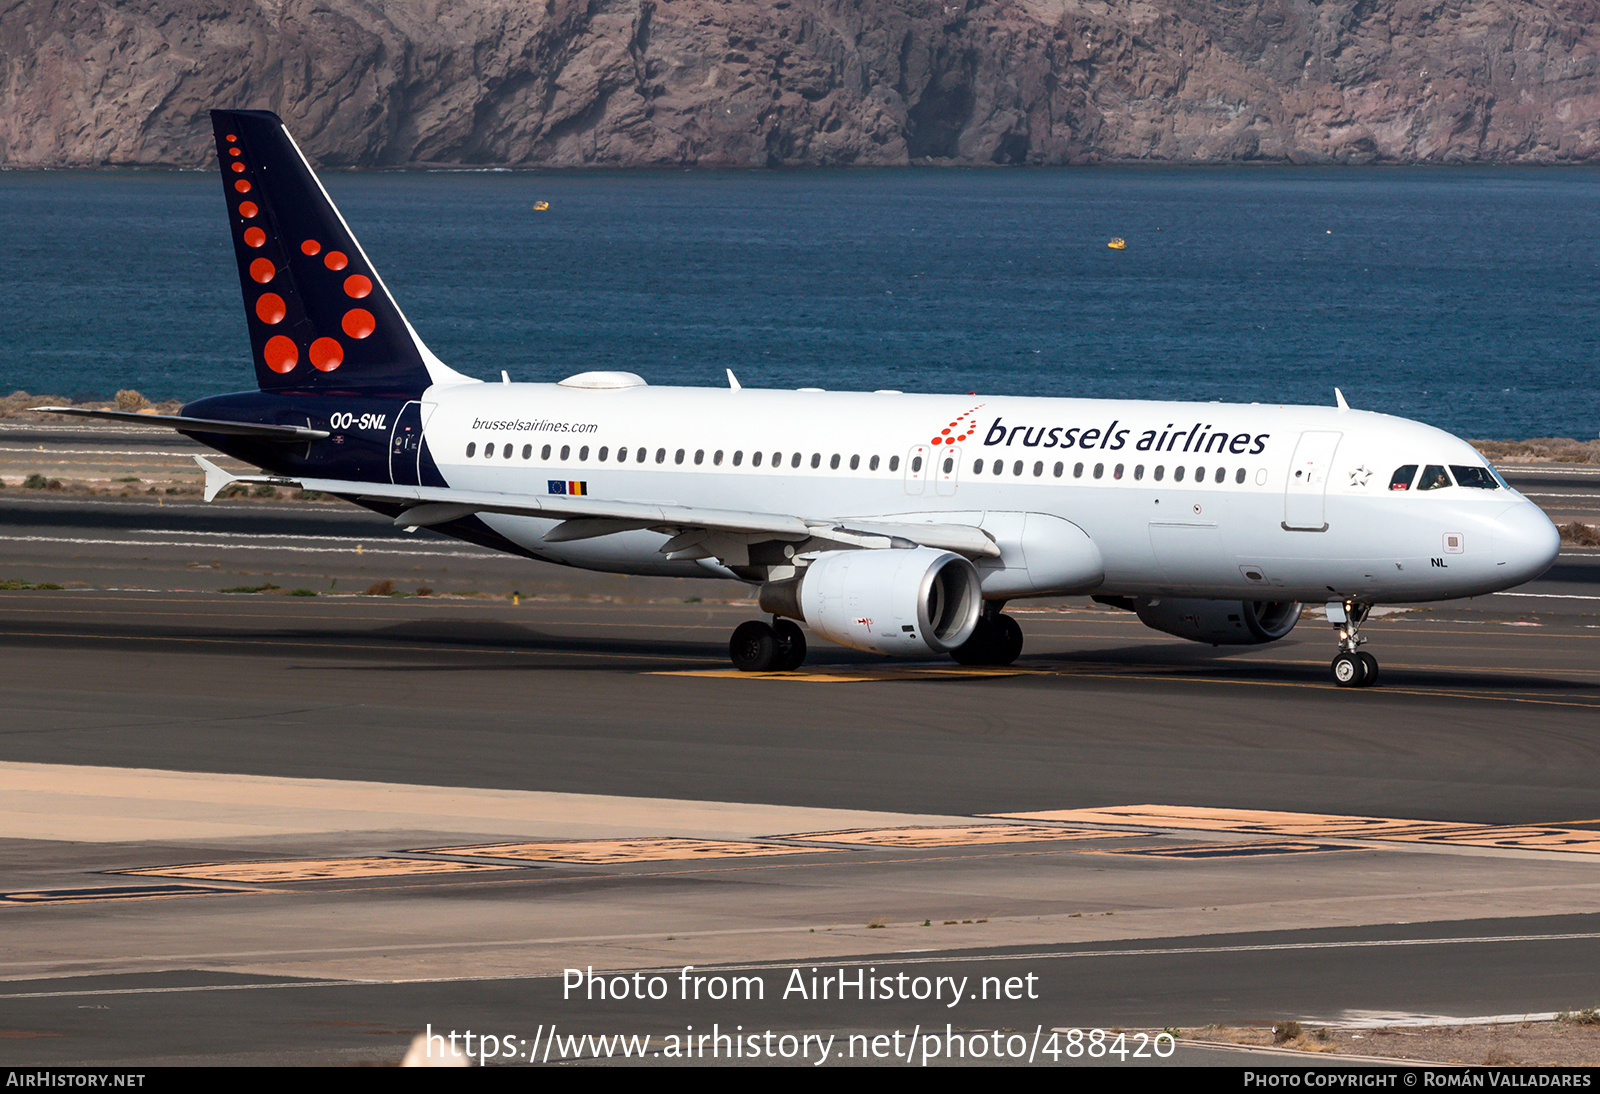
(898, 524)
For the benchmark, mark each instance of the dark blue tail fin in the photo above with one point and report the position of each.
(320, 317)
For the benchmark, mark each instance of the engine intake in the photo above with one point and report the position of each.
(904, 602)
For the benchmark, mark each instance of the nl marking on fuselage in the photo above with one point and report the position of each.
(899, 524)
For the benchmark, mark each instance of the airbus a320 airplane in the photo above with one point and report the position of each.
(898, 524)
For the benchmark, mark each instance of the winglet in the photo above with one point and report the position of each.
(733, 381)
(216, 477)
(1338, 398)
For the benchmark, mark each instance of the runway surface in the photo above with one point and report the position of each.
(255, 826)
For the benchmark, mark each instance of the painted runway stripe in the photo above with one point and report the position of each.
(1329, 826)
(951, 835)
(281, 870)
(605, 851)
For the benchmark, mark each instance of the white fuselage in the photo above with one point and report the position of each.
(1223, 501)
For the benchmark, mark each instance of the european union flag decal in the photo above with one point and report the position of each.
(557, 487)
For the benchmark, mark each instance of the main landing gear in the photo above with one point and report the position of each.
(997, 640)
(758, 646)
(1353, 668)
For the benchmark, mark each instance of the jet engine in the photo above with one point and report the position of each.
(900, 601)
(1220, 622)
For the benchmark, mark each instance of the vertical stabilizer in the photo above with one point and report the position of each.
(320, 317)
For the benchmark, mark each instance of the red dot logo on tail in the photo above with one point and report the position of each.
(356, 286)
(326, 354)
(310, 247)
(271, 308)
(336, 260)
(263, 270)
(358, 323)
(280, 353)
(255, 237)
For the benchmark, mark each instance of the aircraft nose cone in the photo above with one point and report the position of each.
(1525, 543)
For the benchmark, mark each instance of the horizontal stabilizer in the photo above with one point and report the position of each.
(287, 434)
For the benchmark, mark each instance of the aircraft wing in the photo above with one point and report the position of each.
(695, 530)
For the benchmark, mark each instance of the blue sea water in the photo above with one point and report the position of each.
(1469, 298)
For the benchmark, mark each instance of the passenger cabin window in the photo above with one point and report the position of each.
(894, 463)
(1479, 478)
(566, 450)
(472, 449)
(1434, 477)
(544, 453)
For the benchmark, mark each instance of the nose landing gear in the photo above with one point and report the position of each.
(1353, 668)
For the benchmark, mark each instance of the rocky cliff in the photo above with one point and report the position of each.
(824, 82)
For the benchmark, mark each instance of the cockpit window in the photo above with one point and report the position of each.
(1402, 478)
(1479, 477)
(1434, 477)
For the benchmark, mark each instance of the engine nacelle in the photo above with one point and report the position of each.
(1221, 622)
(904, 602)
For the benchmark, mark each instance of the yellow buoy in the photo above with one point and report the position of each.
(540, 206)
(1118, 244)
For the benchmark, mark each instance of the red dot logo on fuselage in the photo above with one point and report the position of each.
(958, 430)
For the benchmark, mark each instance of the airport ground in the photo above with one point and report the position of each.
(270, 826)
